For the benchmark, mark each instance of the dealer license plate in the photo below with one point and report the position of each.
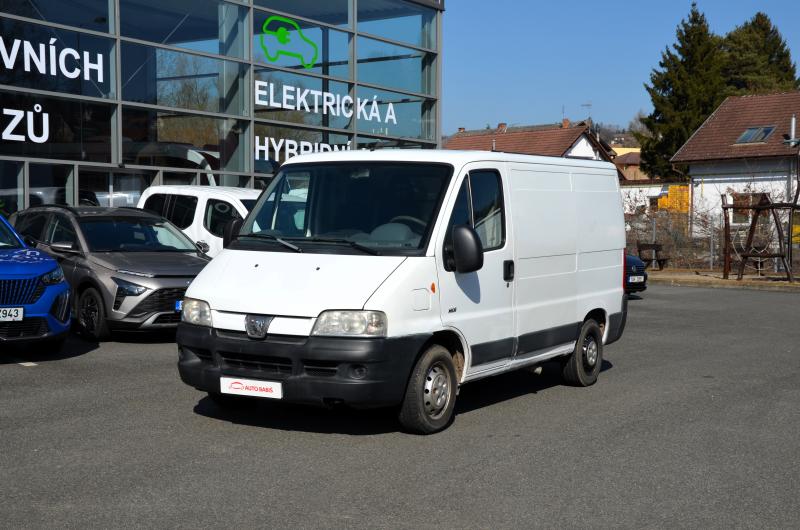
(250, 387)
(12, 314)
(636, 279)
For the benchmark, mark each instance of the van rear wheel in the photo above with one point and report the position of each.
(431, 393)
(583, 366)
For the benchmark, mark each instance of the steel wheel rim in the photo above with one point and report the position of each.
(89, 313)
(437, 390)
(591, 351)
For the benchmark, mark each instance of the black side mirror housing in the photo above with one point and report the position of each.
(231, 231)
(467, 249)
(203, 247)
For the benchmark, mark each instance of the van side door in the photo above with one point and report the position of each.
(480, 304)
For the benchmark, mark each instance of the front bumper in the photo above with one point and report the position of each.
(362, 373)
(47, 318)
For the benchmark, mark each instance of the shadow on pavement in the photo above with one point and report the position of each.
(291, 417)
(43, 352)
(634, 297)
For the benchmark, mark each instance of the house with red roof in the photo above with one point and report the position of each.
(565, 139)
(742, 150)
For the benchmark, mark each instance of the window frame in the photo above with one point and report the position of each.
(207, 217)
(470, 203)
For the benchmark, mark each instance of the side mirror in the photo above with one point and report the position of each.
(467, 249)
(63, 247)
(203, 247)
(231, 231)
(31, 242)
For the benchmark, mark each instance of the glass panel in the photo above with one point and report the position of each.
(49, 184)
(261, 183)
(91, 14)
(398, 114)
(208, 26)
(133, 234)
(155, 203)
(75, 63)
(274, 144)
(284, 96)
(178, 179)
(461, 214)
(46, 127)
(394, 66)
(94, 188)
(11, 197)
(301, 45)
(398, 20)
(174, 79)
(487, 207)
(179, 140)
(32, 225)
(334, 12)
(128, 188)
(236, 181)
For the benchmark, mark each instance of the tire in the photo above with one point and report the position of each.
(92, 316)
(434, 375)
(583, 366)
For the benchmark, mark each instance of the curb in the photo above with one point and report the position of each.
(726, 284)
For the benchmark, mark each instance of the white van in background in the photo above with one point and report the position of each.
(393, 277)
(200, 211)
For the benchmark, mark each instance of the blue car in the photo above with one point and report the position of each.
(34, 297)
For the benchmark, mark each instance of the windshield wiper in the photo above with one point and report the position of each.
(353, 244)
(274, 238)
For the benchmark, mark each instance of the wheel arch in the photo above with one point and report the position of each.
(455, 344)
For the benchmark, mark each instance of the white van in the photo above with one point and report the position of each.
(393, 277)
(200, 211)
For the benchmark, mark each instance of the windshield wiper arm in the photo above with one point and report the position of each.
(274, 238)
(353, 244)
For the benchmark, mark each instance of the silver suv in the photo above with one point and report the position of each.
(128, 269)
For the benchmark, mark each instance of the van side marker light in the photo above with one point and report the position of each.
(433, 287)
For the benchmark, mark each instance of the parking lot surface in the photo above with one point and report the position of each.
(695, 422)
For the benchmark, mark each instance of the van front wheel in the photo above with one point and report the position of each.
(583, 366)
(431, 393)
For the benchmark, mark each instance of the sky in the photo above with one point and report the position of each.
(521, 61)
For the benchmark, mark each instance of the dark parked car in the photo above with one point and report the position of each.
(128, 269)
(635, 275)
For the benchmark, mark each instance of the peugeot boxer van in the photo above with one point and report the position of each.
(391, 278)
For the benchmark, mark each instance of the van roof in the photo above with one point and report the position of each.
(217, 191)
(457, 158)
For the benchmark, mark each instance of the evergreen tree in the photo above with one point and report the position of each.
(685, 90)
(757, 60)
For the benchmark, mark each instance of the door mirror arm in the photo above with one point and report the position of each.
(231, 232)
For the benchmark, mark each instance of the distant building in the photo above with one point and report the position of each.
(740, 151)
(565, 139)
(629, 164)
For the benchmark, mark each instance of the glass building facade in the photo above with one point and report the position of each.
(102, 98)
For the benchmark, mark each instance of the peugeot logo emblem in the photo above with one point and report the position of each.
(257, 326)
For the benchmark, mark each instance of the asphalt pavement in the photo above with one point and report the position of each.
(695, 422)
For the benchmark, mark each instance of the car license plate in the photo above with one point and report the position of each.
(178, 306)
(636, 279)
(12, 314)
(250, 387)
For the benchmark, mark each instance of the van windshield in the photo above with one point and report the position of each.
(355, 207)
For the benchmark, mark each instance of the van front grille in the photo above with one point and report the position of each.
(260, 363)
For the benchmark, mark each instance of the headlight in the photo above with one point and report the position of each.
(54, 276)
(196, 312)
(129, 288)
(350, 324)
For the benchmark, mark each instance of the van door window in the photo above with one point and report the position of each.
(218, 214)
(487, 208)
(479, 204)
(155, 203)
(181, 212)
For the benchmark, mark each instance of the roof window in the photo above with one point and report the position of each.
(755, 135)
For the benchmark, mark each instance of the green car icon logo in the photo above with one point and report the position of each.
(282, 36)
